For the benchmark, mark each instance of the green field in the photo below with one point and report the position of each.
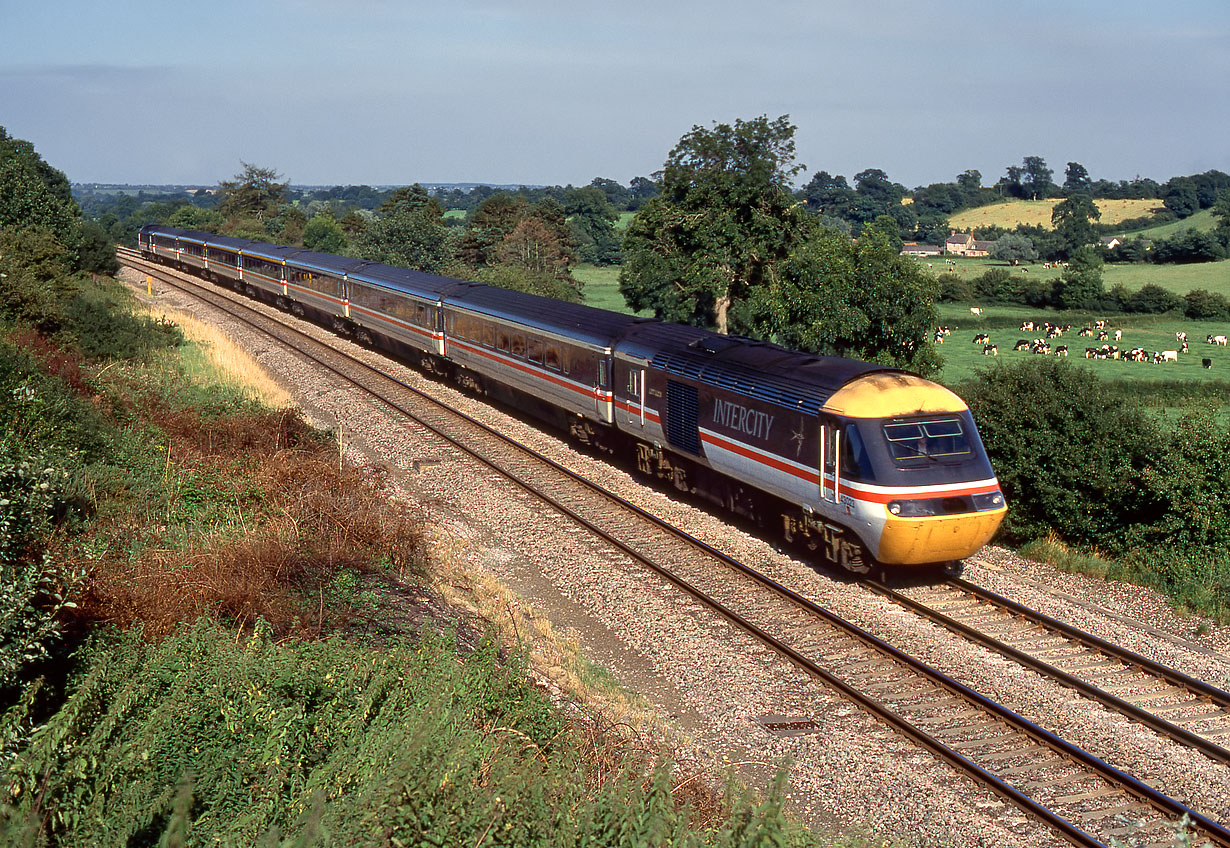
(602, 287)
(1180, 279)
(1161, 385)
(1202, 221)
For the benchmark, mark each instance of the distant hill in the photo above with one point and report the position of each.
(1038, 213)
(1202, 221)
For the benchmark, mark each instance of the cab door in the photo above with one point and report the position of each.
(830, 461)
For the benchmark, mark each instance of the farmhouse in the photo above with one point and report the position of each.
(913, 248)
(964, 244)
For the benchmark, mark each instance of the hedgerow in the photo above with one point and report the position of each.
(1096, 467)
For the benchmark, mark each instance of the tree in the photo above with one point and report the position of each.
(592, 220)
(1073, 219)
(255, 191)
(534, 246)
(971, 184)
(325, 234)
(407, 237)
(724, 220)
(1181, 197)
(1013, 248)
(34, 195)
(1076, 178)
(1036, 177)
(1080, 284)
(641, 189)
(495, 218)
(829, 195)
(861, 299)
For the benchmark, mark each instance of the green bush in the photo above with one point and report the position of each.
(252, 743)
(1065, 452)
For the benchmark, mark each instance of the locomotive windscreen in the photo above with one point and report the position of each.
(914, 441)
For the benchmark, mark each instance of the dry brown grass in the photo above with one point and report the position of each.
(308, 520)
(222, 360)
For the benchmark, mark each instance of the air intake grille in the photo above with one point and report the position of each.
(681, 407)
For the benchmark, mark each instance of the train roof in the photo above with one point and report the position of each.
(754, 368)
(406, 280)
(588, 324)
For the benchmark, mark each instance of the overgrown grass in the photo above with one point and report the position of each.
(1196, 584)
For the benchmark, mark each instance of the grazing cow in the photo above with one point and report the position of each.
(1021, 344)
(975, 310)
(1206, 363)
(1085, 331)
(1183, 348)
(1062, 350)
(939, 337)
(1217, 340)
(1027, 325)
(1180, 337)
(981, 338)
(1103, 335)
(1166, 356)
(1118, 335)
(990, 350)
(1100, 324)
(1091, 353)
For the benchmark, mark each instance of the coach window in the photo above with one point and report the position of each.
(518, 344)
(534, 346)
(552, 358)
(488, 336)
(501, 340)
(420, 315)
(564, 360)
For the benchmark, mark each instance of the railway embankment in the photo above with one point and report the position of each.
(218, 628)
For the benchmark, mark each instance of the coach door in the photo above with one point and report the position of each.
(633, 401)
(830, 462)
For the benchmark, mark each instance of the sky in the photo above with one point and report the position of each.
(558, 92)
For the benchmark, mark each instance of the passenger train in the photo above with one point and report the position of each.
(865, 463)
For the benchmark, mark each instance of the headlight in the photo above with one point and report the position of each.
(895, 508)
(988, 500)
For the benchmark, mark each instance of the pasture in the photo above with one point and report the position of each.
(1180, 279)
(1164, 385)
(602, 287)
(1038, 213)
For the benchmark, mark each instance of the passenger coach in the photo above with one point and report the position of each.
(866, 463)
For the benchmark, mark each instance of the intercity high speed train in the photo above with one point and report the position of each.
(865, 463)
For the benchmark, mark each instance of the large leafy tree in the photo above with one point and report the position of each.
(34, 195)
(592, 218)
(254, 192)
(1036, 178)
(409, 236)
(1076, 178)
(724, 219)
(1073, 219)
(857, 298)
(495, 218)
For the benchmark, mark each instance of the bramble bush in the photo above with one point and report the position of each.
(250, 742)
(1099, 470)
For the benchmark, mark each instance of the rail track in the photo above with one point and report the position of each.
(1182, 708)
(1085, 800)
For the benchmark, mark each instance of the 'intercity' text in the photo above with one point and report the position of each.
(737, 417)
